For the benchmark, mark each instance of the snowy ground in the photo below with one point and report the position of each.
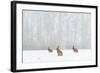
(43, 56)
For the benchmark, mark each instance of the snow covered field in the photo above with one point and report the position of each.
(43, 56)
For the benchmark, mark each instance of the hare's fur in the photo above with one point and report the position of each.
(75, 49)
(50, 50)
(59, 52)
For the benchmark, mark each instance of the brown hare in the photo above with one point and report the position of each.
(50, 50)
(59, 52)
(75, 49)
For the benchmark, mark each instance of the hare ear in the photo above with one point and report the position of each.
(58, 46)
(73, 46)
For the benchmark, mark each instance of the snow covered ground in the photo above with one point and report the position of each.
(43, 56)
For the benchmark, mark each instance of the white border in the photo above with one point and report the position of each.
(53, 8)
